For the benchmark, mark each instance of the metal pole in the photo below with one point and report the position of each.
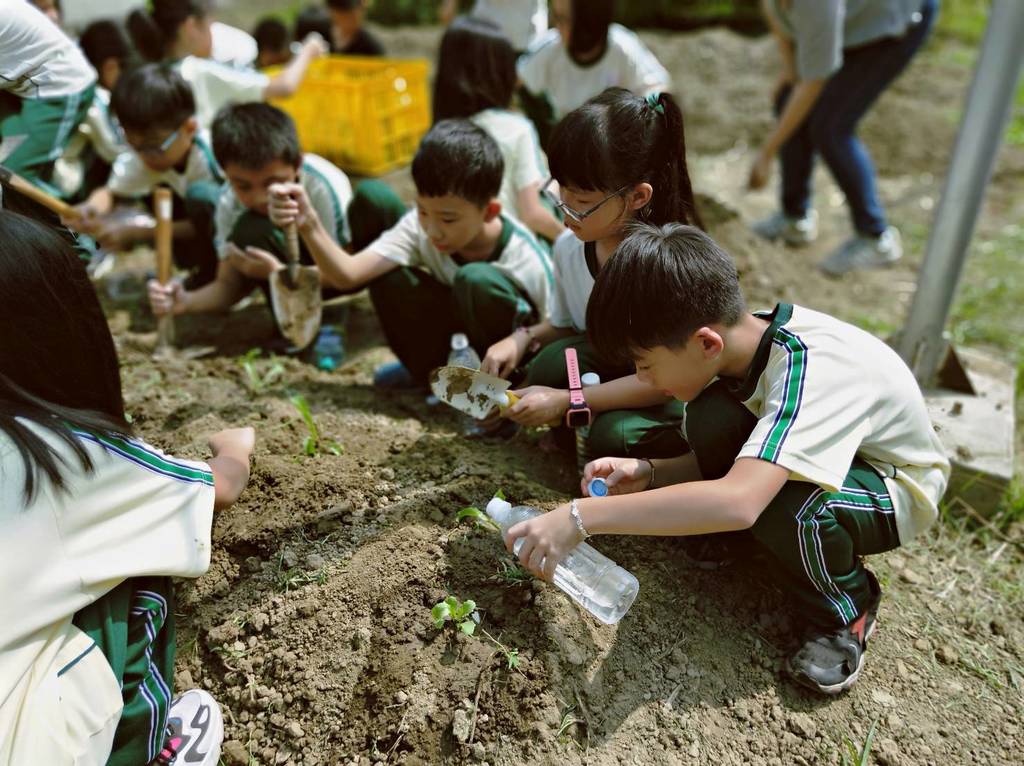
(986, 112)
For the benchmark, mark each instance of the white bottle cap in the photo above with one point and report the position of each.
(499, 510)
(590, 379)
(459, 341)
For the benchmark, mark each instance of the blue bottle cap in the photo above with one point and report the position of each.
(597, 487)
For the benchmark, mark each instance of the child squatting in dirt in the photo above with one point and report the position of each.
(805, 430)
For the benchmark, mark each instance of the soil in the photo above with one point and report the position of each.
(313, 628)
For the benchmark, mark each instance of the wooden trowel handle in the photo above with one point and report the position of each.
(162, 208)
(291, 234)
(34, 193)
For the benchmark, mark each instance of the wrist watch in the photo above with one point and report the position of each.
(578, 414)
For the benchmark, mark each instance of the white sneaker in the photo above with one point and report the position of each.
(795, 232)
(195, 731)
(864, 252)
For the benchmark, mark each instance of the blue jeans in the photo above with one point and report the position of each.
(829, 128)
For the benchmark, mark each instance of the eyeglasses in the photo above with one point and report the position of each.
(163, 147)
(575, 215)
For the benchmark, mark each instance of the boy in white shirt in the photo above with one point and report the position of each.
(809, 432)
(455, 264)
(157, 112)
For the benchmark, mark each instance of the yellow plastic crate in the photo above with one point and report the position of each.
(366, 114)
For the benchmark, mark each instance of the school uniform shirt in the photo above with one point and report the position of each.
(363, 43)
(329, 192)
(821, 29)
(129, 176)
(575, 266)
(548, 69)
(37, 60)
(525, 163)
(232, 46)
(140, 512)
(517, 256)
(825, 391)
(99, 130)
(215, 85)
(522, 21)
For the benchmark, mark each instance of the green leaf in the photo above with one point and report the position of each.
(441, 612)
(465, 609)
(500, 494)
(512, 655)
(309, 446)
(453, 604)
(468, 627)
(334, 448)
(479, 517)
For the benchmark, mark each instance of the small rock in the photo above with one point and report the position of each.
(923, 645)
(294, 730)
(802, 725)
(289, 558)
(882, 697)
(909, 575)
(948, 655)
(478, 751)
(887, 753)
(401, 698)
(253, 564)
(901, 669)
(314, 561)
(387, 474)
(436, 516)
(998, 627)
(234, 753)
(183, 680)
(461, 725)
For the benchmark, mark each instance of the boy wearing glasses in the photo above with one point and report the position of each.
(454, 264)
(156, 109)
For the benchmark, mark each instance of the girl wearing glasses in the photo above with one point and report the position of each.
(616, 159)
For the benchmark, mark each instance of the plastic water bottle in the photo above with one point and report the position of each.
(328, 349)
(462, 354)
(583, 456)
(590, 578)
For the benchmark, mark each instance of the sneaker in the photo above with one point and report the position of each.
(831, 662)
(393, 375)
(195, 731)
(795, 232)
(865, 252)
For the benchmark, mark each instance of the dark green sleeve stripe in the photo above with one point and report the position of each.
(792, 394)
(147, 459)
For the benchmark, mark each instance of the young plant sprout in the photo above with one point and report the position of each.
(480, 519)
(313, 444)
(258, 382)
(461, 614)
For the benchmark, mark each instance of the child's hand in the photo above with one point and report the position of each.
(116, 236)
(166, 299)
(505, 355)
(623, 475)
(547, 540)
(314, 45)
(289, 204)
(234, 442)
(538, 406)
(760, 171)
(252, 262)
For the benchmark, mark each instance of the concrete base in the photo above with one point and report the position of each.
(978, 432)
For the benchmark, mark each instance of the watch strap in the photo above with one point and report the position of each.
(572, 368)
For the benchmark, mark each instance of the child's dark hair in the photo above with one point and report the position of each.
(476, 69)
(254, 135)
(271, 34)
(104, 40)
(620, 139)
(58, 365)
(344, 5)
(456, 157)
(154, 32)
(590, 22)
(662, 284)
(313, 18)
(152, 96)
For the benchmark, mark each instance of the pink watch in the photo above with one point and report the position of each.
(578, 415)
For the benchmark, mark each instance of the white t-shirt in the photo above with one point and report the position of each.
(825, 391)
(522, 21)
(525, 163)
(521, 259)
(573, 283)
(101, 130)
(129, 176)
(232, 46)
(329, 192)
(215, 85)
(37, 60)
(139, 513)
(548, 69)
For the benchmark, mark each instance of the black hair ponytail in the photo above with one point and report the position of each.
(620, 139)
(154, 32)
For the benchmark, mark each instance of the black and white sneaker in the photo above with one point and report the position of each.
(830, 662)
(195, 731)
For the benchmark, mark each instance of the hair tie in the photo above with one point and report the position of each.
(654, 101)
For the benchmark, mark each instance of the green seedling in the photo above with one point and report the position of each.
(861, 757)
(257, 381)
(461, 614)
(511, 655)
(480, 519)
(313, 444)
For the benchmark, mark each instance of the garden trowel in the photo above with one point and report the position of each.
(295, 296)
(471, 391)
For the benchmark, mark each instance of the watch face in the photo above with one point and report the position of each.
(578, 418)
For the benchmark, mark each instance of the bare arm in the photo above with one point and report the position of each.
(627, 393)
(230, 464)
(799, 105)
(286, 82)
(338, 268)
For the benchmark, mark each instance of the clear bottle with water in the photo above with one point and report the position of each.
(328, 349)
(590, 578)
(583, 455)
(462, 354)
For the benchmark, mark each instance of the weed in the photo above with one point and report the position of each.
(511, 573)
(290, 578)
(256, 380)
(461, 614)
(313, 443)
(511, 655)
(569, 720)
(861, 757)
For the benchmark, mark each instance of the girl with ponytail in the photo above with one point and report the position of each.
(616, 159)
(179, 31)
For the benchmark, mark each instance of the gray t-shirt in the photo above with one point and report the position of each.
(821, 29)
